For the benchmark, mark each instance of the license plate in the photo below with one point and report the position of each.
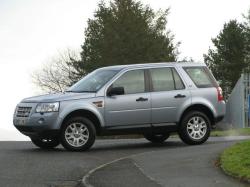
(21, 121)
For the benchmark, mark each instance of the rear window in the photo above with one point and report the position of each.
(201, 76)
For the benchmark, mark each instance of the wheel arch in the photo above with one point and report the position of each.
(84, 113)
(201, 108)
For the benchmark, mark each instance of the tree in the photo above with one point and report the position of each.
(125, 32)
(228, 59)
(247, 30)
(57, 74)
(186, 59)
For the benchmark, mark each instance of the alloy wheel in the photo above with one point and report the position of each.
(196, 127)
(77, 134)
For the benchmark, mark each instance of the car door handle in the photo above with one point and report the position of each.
(142, 99)
(179, 96)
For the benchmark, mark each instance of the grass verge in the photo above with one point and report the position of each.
(235, 161)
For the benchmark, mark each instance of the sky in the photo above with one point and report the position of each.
(34, 31)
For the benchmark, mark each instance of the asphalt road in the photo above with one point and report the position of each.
(143, 164)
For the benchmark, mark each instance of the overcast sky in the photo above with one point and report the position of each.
(32, 31)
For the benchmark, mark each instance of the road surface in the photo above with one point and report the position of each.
(134, 162)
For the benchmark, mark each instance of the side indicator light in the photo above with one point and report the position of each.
(98, 104)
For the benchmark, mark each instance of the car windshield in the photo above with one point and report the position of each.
(93, 81)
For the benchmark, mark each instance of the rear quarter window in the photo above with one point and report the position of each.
(201, 77)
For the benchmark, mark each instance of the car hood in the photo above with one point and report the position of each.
(58, 97)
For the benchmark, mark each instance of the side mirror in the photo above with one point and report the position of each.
(116, 91)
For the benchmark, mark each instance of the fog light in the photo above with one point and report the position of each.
(41, 120)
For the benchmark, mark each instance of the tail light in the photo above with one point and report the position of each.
(220, 94)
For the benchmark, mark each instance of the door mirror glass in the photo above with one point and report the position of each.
(116, 91)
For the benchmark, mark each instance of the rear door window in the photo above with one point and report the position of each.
(201, 77)
(162, 79)
(165, 79)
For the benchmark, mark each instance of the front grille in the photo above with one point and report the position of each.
(23, 111)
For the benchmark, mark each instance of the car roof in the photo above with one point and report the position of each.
(158, 64)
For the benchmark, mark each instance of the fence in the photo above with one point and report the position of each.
(237, 107)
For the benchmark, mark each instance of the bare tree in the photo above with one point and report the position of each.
(57, 74)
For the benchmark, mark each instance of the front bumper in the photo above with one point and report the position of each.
(38, 131)
(37, 124)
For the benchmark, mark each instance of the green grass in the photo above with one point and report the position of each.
(232, 132)
(235, 161)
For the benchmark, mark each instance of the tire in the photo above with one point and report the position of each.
(46, 143)
(194, 128)
(157, 138)
(78, 134)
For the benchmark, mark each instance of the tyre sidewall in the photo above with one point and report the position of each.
(157, 139)
(92, 134)
(49, 145)
(183, 128)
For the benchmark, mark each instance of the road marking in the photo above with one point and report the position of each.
(143, 172)
(85, 182)
(85, 177)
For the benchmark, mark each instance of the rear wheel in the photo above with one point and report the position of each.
(156, 138)
(45, 143)
(195, 128)
(78, 134)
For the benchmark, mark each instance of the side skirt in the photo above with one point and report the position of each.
(140, 129)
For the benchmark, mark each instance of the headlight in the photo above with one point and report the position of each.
(47, 107)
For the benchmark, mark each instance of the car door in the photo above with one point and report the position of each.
(168, 94)
(132, 108)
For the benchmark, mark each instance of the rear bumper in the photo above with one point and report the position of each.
(220, 111)
(219, 118)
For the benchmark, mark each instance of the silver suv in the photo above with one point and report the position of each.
(149, 99)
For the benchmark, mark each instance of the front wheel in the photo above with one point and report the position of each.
(195, 128)
(78, 134)
(156, 138)
(45, 143)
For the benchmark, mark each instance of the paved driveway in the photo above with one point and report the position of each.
(173, 163)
